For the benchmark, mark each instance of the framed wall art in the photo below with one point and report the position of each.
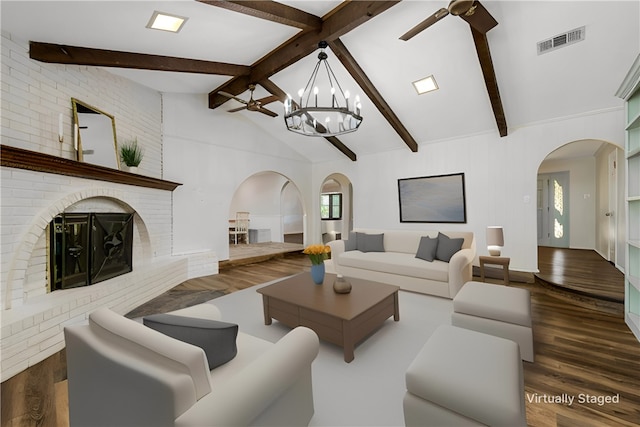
(438, 198)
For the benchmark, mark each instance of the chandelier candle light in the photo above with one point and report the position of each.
(308, 117)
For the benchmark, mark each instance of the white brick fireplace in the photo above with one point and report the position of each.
(32, 317)
(34, 96)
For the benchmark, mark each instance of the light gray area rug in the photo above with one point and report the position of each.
(369, 390)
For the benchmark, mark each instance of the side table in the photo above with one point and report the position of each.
(495, 260)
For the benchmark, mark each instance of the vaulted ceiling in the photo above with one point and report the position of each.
(489, 82)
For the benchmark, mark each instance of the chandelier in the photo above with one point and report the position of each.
(322, 110)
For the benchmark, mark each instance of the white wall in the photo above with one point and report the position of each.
(292, 210)
(500, 178)
(212, 154)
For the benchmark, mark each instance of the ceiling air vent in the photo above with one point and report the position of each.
(561, 40)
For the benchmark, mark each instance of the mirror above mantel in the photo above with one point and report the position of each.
(95, 135)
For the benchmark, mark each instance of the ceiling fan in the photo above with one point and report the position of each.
(469, 10)
(253, 104)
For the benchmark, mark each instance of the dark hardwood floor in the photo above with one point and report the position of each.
(581, 352)
(583, 277)
(581, 270)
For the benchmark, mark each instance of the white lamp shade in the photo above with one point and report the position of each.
(495, 239)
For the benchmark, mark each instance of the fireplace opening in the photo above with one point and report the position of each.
(87, 248)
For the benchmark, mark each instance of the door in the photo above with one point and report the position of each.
(553, 209)
(613, 200)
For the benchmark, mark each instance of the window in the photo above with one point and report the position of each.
(558, 204)
(331, 206)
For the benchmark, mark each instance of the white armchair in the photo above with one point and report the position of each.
(122, 373)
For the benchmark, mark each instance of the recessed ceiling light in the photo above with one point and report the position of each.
(425, 85)
(166, 22)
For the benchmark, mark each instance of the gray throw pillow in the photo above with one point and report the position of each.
(427, 248)
(447, 247)
(351, 244)
(370, 242)
(217, 339)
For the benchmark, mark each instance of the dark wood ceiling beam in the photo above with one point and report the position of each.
(64, 54)
(274, 89)
(488, 71)
(349, 62)
(271, 11)
(336, 23)
(235, 86)
(340, 146)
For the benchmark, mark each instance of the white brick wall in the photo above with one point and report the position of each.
(35, 331)
(33, 95)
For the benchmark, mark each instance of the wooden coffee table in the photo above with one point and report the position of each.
(342, 319)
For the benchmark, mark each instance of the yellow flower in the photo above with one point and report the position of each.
(317, 253)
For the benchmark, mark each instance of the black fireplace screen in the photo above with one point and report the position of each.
(87, 248)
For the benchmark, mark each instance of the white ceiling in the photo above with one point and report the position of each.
(576, 79)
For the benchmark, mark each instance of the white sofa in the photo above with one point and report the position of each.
(122, 373)
(398, 264)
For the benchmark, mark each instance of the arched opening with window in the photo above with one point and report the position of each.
(336, 207)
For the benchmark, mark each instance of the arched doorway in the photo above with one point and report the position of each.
(579, 195)
(274, 204)
(292, 214)
(336, 207)
(586, 187)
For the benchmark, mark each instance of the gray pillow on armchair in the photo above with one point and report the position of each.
(217, 339)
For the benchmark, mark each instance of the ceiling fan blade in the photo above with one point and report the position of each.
(237, 109)
(228, 95)
(268, 99)
(480, 19)
(267, 112)
(425, 24)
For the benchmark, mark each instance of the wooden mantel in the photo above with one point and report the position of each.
(19, 158)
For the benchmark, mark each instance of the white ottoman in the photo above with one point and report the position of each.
(463, 377)
(497, 310)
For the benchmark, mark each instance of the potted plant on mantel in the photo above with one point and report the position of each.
(131, 155)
